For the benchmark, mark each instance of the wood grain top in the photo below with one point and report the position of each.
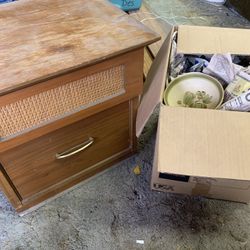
(42, 38)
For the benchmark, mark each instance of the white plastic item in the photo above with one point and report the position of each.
(216, 1)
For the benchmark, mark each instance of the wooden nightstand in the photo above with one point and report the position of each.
(71, 76)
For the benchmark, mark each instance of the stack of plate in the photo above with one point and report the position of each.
(194, 90)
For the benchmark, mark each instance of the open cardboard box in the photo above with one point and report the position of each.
(198, 151)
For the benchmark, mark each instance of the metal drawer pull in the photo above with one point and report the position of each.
(76, 149)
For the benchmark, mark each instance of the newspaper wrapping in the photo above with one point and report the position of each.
(239, 103)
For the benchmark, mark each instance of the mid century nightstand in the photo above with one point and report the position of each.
(71, 76)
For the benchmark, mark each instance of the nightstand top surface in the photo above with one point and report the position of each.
(40, 39)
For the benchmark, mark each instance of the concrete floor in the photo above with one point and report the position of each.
(113, 210)
(197, 12)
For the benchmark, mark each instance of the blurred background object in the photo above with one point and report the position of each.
(127, 5)
(217, 1)
(241, 6)
(6, 1)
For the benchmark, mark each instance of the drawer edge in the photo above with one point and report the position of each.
(65, 121)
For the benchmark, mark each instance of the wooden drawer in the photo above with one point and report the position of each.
(25, 110)
(33, 167)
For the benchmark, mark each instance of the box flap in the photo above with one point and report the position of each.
(205, 143)
(212, 40)
(154, 84)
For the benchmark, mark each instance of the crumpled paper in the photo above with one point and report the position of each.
(221, 66)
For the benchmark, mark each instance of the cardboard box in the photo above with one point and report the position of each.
(198, 151)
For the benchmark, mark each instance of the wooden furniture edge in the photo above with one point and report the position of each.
(9, 190)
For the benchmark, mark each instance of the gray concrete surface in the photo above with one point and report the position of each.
(196, 12)
(115, 209)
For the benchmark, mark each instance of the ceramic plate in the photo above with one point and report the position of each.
(194, 90)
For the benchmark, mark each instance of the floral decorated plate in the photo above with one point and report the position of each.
(194, 90)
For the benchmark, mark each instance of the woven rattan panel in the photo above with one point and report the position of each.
(48, 106)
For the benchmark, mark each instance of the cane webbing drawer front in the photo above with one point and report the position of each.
(35, 166)
(65, 99)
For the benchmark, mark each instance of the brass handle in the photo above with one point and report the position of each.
(75, 149)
